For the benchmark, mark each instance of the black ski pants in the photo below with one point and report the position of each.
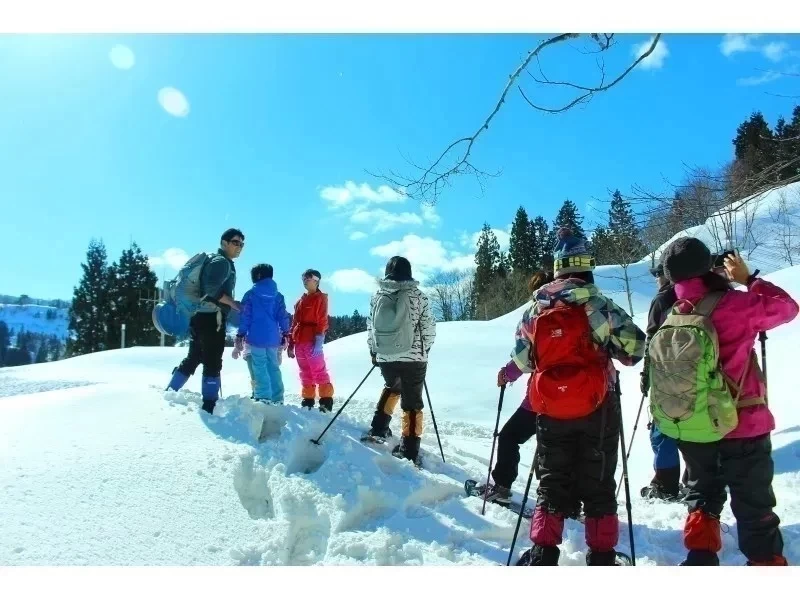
(577, 459)
(206, 345)
(403, 379)
(745, 466)
(519, 428)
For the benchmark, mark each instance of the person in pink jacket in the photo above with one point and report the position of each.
(742, 460)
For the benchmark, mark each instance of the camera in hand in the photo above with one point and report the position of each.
(719, 258)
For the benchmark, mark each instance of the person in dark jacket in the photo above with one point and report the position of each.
(208, 325)
(263, 324)
(666, 462)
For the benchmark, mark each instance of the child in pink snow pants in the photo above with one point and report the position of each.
(309, 325)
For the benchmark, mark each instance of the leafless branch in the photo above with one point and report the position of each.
(430, 181)
(589, 91)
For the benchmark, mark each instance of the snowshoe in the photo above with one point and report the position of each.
(621, 559)
(656, 491)
(472, 488)
(376, 438)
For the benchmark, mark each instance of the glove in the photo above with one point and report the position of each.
(290, 352)
(374, 358)
(319, 340)
(238, 345)
(644, 382)
(509, 373)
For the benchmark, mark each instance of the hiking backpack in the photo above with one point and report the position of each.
(392, 326)
(570, 378)
(181, 298)
(690, 397)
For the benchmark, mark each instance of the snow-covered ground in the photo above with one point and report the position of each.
(100, 466)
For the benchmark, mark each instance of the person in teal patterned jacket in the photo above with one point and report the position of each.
(576, 453)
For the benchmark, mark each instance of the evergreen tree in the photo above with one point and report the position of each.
(522, 246)
(487, 260)
(600, 240)
(620, 242)
(5, 339)
(543, 241)
(787, 141)
(623, 229)
(87, 315)
(568, 216)
(755, 148)
(41, 353)
(130, 280)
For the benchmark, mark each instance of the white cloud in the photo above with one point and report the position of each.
(427, 255)
(656, 58)
(767, 77)
(733, 43)
(358, 235)
(503, 238)
(381, 220)
(775, 51)
(352, 280)
(430, 215)
(352, 192)
(173, 258)
(122, 57)
(738, 42)
(173, 101)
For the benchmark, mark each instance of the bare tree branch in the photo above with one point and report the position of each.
(590, 91)
(455, 159)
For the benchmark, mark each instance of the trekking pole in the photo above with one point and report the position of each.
(633, 435)
(522, 507)
(330, 423)
(494, 440)
(625, 474)
(433, 417)
(762, 337)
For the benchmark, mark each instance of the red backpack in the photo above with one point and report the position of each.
(570, 378)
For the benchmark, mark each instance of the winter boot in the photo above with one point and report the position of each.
(326, 405)
(664, 486)
(210, 392)
(307, 404)
(497, 494)
(408, 449)
(177, 381)
(700, 558)
(544, 556)
(775, 560)
(604, 558)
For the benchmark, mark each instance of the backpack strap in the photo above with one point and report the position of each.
(753, 401)
(708, 303)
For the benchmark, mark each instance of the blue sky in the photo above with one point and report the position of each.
(170, 139)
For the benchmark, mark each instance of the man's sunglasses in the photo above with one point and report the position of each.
(237, 242)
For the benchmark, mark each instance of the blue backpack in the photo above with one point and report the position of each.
(182, 298)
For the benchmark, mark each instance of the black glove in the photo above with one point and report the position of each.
(374, 358)
(644, 382)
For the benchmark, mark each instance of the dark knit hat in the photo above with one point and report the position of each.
(686, 258)
(571, 254)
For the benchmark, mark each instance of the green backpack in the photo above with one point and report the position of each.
(691, 398)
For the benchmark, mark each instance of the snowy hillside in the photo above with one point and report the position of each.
(36, 318)
(100, 466)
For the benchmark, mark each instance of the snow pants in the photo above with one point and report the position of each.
(745, 466)
(578, 458)
(313, 372)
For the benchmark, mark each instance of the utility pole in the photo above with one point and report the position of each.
(157, 295)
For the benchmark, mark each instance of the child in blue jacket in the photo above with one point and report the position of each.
(263, 325)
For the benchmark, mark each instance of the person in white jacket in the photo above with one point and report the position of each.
(400, 333)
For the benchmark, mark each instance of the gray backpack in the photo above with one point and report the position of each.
(392, 327)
